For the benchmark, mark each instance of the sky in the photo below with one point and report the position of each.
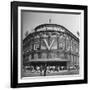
(29, 20)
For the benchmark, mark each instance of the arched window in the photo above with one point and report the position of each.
(30, 57)
(67, 43)
(62, 42)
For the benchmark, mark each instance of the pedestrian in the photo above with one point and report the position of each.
(45, 69)
(41, 70)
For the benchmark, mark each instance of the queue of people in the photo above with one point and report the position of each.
(43, 69)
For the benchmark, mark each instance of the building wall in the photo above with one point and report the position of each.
(50, 45)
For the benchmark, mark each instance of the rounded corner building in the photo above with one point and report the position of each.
(51, 45)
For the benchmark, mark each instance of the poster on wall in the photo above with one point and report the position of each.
(48, 44)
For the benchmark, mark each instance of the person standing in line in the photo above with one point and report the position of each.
(45, 69)
(41, 70)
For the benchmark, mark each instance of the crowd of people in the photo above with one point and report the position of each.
(44, 69)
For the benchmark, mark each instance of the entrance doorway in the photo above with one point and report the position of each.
(63, 65)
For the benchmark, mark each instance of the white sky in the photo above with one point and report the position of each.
(32, 19)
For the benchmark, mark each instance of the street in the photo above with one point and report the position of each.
(64, 72)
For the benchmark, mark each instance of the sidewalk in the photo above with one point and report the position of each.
(64, 72)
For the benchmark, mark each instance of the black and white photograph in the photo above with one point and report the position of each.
(50, 43)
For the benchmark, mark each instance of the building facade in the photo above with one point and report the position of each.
(51, 45)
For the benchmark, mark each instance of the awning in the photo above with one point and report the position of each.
(49, 60)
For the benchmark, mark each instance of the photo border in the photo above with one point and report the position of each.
(14, 43)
